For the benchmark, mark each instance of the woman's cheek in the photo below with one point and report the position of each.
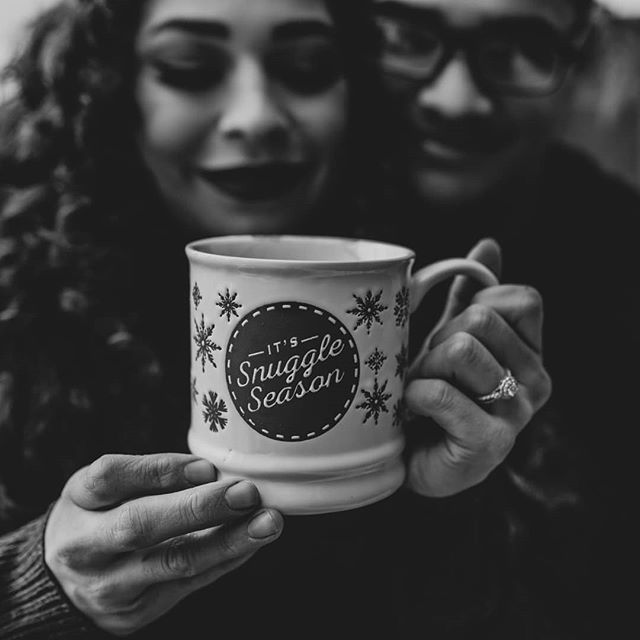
(324, 119)
(171, 123)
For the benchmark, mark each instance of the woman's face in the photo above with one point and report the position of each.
(243, 109)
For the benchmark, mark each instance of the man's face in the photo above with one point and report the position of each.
(465, 130)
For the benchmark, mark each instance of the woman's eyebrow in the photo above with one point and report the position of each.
(303, 28)
(209, 28)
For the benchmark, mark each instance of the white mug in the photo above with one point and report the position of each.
(299, 353)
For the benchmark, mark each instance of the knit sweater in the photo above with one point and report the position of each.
(31, 603)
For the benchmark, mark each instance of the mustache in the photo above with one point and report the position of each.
(469, 133)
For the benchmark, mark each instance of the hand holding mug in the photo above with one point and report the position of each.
(480, 338)
(131, 536)
(299, 355)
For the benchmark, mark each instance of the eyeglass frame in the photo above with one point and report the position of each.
(467, 41)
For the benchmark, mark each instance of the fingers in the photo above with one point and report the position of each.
(474, 359)
(464, 361)
(473, 442)
(123, 620)
(463, 420)
(521, 307)
(145, 585)
(487, 252)
(187, 557)
(112, 479)
(466, 356)
(495, 332)
(147, 521)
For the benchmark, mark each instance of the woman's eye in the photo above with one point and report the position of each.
(306, 70)
(196, 76)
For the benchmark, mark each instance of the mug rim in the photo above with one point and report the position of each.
(196, 253)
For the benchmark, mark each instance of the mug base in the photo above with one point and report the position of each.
(312, 485)
(309, 497)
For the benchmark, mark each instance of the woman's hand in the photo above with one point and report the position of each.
(130, 536)
(466, 356)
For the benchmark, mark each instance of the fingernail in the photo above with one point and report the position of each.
(242, 495)
(264, 525)
(200, 472)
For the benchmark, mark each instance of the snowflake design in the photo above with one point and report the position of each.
(376, 360)
(228, 305)
(197, 296)
(206, 346)
(194, 391)
(402, 360)
(401, 310)
(375, 401)
(398, 413)
(368, 310)
(214, 409)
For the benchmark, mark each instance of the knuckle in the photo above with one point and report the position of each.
(228, 544)
(478, 318)
(541, 390)
(439, 397)
(463, 349)
(98, 475)
(158, 471)
(128, 618)
(195, 507)
(129, 531)
(102, 595)
(70, 555)
(531, 299)
(177, 560)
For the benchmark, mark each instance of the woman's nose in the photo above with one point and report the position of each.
(252, 112)
(455, 93)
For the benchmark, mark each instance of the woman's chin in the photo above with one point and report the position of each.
(203, 208)
(225, 215)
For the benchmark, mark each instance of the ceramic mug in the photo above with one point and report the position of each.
(299, 354)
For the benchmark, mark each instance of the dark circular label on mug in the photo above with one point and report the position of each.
(292, 370)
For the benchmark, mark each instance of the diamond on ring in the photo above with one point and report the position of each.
(507, 388)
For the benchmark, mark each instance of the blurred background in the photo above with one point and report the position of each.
(606, 118)
(606, 114)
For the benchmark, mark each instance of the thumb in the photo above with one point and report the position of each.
(463, 288)
(488, 252)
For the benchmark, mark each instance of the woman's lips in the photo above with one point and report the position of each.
(257, 182)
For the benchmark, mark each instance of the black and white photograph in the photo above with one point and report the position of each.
(319, 319)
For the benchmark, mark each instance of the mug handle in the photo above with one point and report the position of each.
(427, 277)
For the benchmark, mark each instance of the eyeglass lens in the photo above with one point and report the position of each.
(520, 60)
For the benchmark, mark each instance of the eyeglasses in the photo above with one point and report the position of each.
(510, 57)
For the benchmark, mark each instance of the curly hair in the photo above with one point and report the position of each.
(86, 365)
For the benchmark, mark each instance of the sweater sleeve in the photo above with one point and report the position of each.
(32, 605)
